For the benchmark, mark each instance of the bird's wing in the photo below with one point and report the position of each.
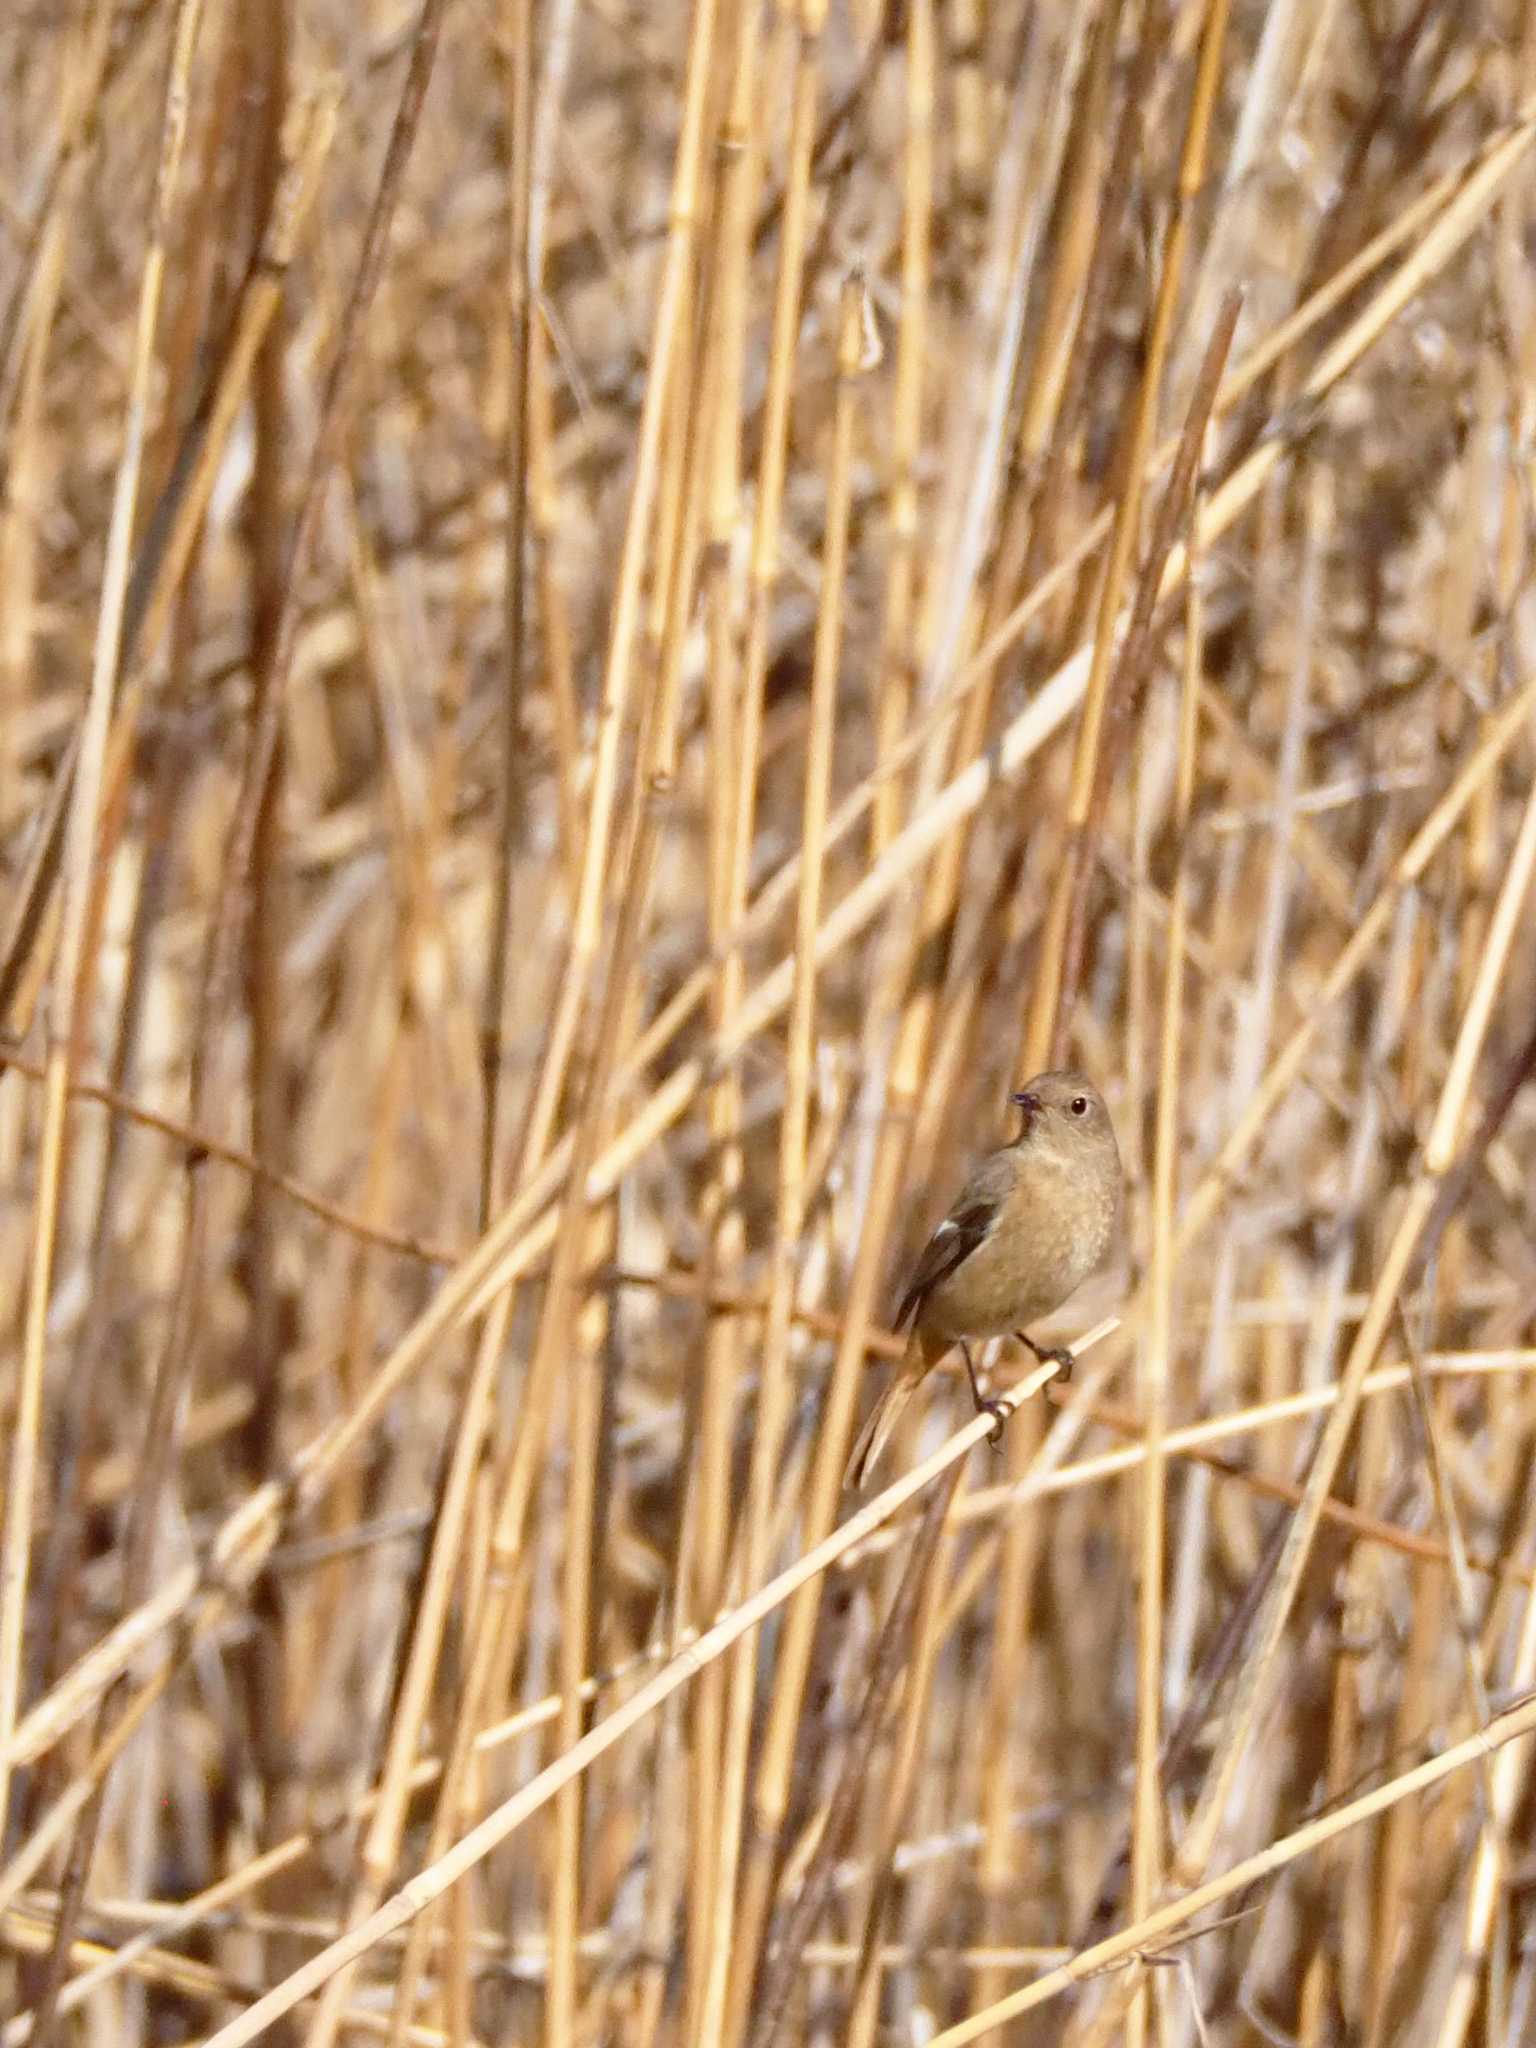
(963, 1229)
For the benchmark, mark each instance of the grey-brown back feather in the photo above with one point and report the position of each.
(963, 1230)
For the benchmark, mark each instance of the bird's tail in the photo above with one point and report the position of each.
(917, 1362)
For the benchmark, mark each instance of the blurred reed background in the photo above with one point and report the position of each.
(613, 618)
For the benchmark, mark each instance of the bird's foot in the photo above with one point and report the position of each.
(1054, 1354)
(999, 1412)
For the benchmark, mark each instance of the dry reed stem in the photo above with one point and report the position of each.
(984, 1502)
(400, 1568)
(801, 29)
(1404, 1244)
(981, 665)
(773, 1381)
(431, 1883)
(522, 285)
(1134, 1943)
(736, 734)
(1147, 1845)
(915, 1602)
(980, 1504)
(80, 880)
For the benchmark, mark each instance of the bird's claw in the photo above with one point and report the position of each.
(999, 1412)
(1054, 1354)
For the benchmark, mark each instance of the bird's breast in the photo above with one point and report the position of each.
(1047, 1239)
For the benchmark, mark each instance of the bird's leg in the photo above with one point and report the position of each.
(996, 1409)
(1057, 1355)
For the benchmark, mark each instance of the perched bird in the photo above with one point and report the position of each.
(1027, 1229)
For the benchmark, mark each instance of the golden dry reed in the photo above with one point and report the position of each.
(614, 620)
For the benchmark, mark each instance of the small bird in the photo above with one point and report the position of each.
(1026, 1230)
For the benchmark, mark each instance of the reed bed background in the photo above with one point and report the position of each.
(612, 620)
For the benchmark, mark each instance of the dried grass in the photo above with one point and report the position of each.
(611, 621)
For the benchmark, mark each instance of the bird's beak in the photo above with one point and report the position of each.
(1030, 1104)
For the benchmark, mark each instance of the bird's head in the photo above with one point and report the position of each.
(1064, 1112)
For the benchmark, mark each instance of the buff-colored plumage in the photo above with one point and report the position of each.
(1024, 1233)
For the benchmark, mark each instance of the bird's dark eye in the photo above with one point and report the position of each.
(1079, 1105)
